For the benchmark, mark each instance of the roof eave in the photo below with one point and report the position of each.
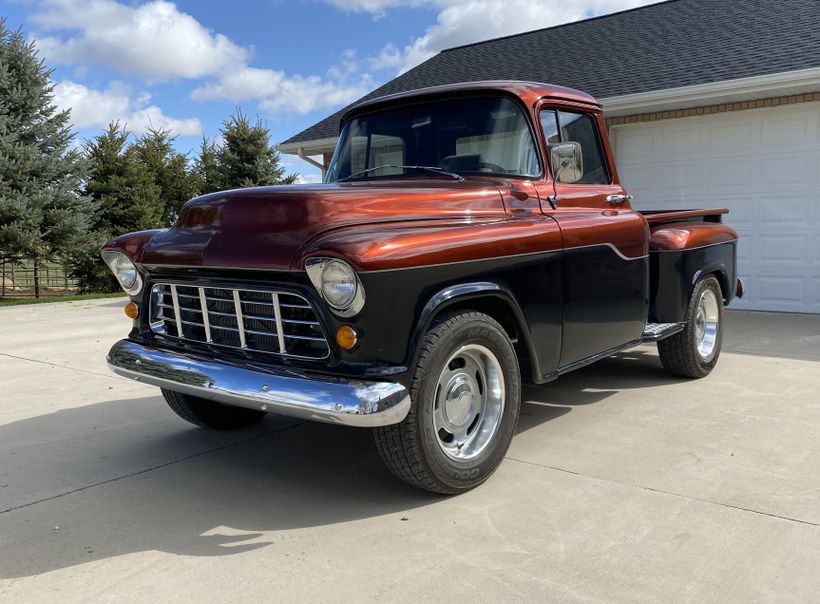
(309, 147)
(740, 89)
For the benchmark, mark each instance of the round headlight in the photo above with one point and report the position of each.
(339, 284)
(124, 270)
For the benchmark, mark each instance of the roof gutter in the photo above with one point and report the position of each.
(740, 89)
(309, 147)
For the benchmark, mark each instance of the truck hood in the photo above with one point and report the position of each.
(266, 227)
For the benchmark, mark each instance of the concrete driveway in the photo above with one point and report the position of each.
(622, 484)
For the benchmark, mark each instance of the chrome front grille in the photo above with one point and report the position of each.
(276, 322)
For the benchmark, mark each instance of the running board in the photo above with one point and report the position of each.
(658, 331)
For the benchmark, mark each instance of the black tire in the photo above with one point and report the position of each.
(412, 449)
(210, 414)
(680, 353)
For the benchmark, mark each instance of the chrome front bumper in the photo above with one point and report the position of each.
(331, 400)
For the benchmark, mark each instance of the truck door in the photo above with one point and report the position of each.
(605, 265)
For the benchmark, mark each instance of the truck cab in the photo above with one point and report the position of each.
(467, 238)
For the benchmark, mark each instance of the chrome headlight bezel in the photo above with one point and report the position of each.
(319, 270)
(121, 265)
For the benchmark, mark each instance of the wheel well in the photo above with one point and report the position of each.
(721, 279)
(500, 310)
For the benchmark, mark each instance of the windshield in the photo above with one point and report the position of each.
(487, 135)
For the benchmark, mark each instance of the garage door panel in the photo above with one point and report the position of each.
(783, 250)
(729, 175)
(640, 142)
(786, 172)
(782, 291)
(682, 142)
(784, 130)
(724, 139)
(764, 165)
(782, 212)
(814, 255)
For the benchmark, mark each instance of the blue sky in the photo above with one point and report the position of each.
(186, 65)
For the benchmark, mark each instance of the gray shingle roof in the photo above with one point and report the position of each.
(665, 45)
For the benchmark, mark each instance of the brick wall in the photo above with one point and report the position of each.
(711, 109)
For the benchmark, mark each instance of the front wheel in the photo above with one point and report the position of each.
(210, 414)
(694, 352)
(466, 397)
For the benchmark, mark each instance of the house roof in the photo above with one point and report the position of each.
(661, 46)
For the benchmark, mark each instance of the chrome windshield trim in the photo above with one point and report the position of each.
(342, 401)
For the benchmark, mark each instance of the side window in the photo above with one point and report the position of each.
(568, 126)
(549, 123)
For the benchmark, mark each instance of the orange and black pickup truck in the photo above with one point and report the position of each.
(467, 238)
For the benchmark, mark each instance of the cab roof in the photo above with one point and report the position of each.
(528, 92)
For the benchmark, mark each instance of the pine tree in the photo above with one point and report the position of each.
(245, 158)
(42, 214)
(169, 169)
(126, 198)
(122, 186)
(206, 172)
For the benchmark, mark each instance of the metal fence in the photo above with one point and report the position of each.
(17, 279)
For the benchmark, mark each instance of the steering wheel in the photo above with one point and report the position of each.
(490, 167)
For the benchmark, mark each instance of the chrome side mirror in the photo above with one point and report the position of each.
(567, 162)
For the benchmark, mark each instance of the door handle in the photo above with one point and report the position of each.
(618, 199)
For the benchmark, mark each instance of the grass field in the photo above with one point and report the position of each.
(45, 299)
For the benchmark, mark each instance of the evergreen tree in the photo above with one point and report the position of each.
(169, 169)
(42, 214)
(126, 198)
(245, 158)
(126, 195)
(206, 172)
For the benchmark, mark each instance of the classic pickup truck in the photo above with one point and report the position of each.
(467, 238)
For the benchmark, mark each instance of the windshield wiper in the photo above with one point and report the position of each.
(435, 169)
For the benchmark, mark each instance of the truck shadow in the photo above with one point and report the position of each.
(635, 368)
(120, 477)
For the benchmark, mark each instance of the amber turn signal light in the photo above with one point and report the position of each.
(346, 337)
(132, 311)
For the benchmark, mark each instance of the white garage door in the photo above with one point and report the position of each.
(764, 165)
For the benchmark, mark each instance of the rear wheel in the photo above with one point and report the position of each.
(202, 412)
(694, 351)
(466, 394)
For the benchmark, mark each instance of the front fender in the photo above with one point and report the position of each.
(475, 295)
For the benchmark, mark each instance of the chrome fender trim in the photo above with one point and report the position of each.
(291, 393)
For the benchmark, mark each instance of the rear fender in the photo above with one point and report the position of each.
(673, 275)
(680, 255)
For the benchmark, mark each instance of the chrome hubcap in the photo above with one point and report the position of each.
(707, 317)
(469, 402)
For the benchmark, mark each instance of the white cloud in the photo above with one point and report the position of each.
(309, 179)
(276, 91)
(390, 57)
(158, 42)
(97, 108)
(466, 21)
(154, 40)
